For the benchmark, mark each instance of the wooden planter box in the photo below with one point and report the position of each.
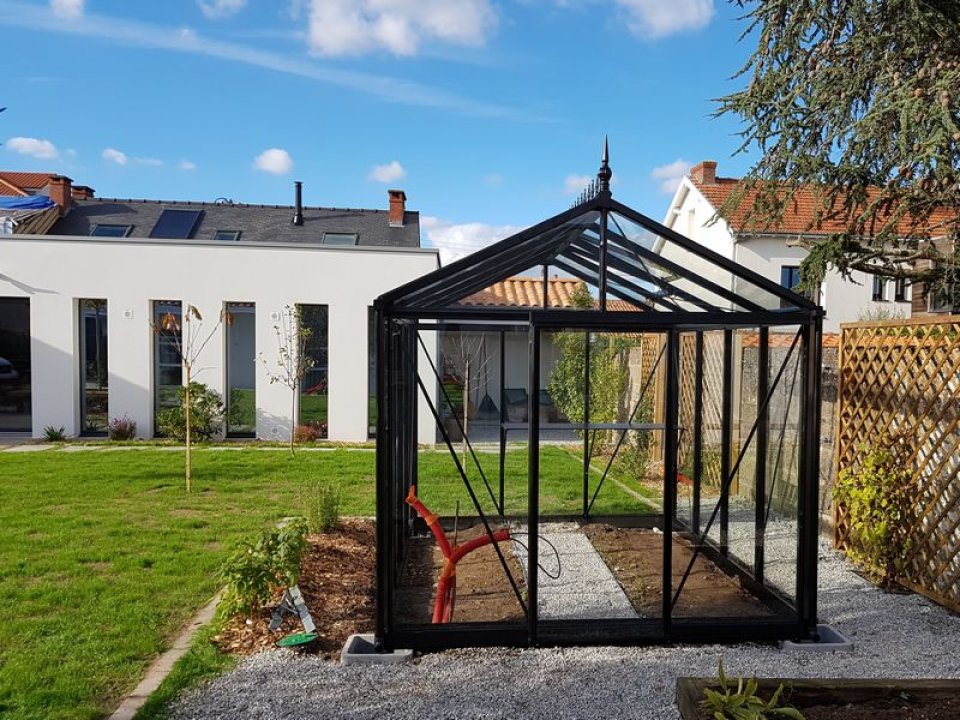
(840, 693)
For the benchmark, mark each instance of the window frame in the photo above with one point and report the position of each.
(235, 233)
(355, 235)
(878, 292)
(126, 229)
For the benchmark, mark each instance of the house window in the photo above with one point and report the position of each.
(111, 230)
(167, 363)
(227, 235)
(240, 333)
(879, 288)
(15, 386)
(900, 290)
(333, 238)
(93, 366)
(314, 390)
(371, 374)
(940, 300)
(790, 279)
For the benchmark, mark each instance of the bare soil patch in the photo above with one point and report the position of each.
(942, 705)
(337, 579)
(635, 557)
(484, 593)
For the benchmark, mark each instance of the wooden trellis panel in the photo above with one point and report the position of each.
(899, 389)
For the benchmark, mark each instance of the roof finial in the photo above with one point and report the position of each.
(605, 172)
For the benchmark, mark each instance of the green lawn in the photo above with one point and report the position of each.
(104, 556)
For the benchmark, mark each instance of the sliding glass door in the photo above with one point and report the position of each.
(15, 388)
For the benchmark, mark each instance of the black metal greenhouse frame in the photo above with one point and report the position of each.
(588, 243)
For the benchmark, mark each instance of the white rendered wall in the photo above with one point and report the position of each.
(843, 300)
(54, 272)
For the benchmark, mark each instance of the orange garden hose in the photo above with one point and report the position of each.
(446, 596)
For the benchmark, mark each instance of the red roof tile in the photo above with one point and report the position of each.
(799, 214)
(528, 292)
(26, 180)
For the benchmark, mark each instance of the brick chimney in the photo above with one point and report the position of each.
(82, 192)
(704, 173)
(398, 206)
(60, 192)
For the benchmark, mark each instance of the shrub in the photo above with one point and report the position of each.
(122, 428)
(744, 703)
(309, 432)
(321, 506)
(206, 414)
(876, 497)
(54, 434)
(255, 571)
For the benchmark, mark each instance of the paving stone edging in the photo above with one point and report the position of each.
(162, 666)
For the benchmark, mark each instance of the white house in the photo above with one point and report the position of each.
(774, 252)
(78, 308)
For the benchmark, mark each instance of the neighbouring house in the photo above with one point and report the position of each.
(775, 251)
(31, 202)
(78, 305)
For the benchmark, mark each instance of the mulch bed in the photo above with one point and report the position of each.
(484, 593)
(338, 581)
(635, 557)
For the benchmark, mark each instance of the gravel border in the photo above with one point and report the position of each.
(894, 636)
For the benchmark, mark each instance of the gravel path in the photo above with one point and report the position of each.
(895, 636)
(585, 587)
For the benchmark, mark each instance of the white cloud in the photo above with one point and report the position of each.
(456, 240)
(221, 8)
(34, 147)
(659, 18)
(152, 162)
(30, 16)
(391, 172)
(67, 9)
(187, 165)
(670, 175)
(275, 160)
(573, 184)
(355, 27)
(114, 155)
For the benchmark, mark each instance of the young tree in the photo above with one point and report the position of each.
(188, 340)
(608, 374)
(464, 355)
(293, 360)
(860, 100)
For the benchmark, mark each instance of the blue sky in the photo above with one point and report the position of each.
(488, 113)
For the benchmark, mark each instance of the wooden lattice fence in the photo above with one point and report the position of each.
(899, 390)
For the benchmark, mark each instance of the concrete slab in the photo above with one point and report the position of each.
(40, 447)
(361, 650)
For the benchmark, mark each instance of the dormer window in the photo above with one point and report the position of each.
(339, 238)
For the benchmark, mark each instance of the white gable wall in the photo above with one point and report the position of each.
(843, 300)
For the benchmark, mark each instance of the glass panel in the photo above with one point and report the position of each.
(783, 466)
(93, 366)
(241, 369)
(339, 238)
(15, 388)
(110, 230)
(167, 367)
(314, 390)
(176, 224)
(685, 275)
(227, 235)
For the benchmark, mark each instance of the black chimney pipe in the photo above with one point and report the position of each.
(298, 212)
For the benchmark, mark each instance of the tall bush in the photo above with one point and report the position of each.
(206, 414)
(876, 497)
